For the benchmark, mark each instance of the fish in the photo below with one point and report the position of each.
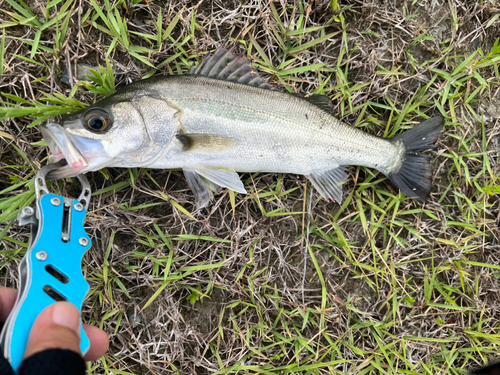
(223, 117)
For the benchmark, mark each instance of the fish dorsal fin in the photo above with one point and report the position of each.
(227, 66)
(205, 142)
(329, 182)
(320, 101)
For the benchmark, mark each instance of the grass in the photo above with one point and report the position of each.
(261, 283)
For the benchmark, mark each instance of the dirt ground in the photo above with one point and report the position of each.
(393, 285)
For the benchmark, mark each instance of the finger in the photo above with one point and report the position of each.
(57, 327)
(7, 299)
(99, 343)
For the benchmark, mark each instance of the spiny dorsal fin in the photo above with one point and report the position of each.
(320, 101)
(227, 66)
(205, 142)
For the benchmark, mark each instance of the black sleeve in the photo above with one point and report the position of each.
(5, 368)
(48, 362)
(53, 362)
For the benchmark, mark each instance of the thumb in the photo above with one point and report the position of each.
(57, 327)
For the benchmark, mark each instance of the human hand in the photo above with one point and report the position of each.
(57, 327)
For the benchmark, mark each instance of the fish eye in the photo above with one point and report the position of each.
(97, 121)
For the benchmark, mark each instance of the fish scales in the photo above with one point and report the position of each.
(223, 118)
(276, 132)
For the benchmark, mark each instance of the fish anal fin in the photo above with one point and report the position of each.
(329, 182)
(225, 65)
(205, 142)
(223, 177)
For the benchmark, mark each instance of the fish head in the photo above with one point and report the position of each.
(124, 133)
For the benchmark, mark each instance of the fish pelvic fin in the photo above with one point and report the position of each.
(203, 195)
(222, 177)
(414, 177)
(203, 181)
(329, 182)
(205, 142)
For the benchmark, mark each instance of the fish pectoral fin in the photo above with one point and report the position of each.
(329, 182)
(223, 177)
(205, 142)
(203, 195)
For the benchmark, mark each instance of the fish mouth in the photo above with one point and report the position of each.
(81, 154)
(61, 147)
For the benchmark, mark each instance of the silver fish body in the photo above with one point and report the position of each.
(274, 131)
(213, 127)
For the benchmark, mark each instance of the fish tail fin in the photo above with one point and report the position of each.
(414, 176)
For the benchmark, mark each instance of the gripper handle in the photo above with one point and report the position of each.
(50, 271)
